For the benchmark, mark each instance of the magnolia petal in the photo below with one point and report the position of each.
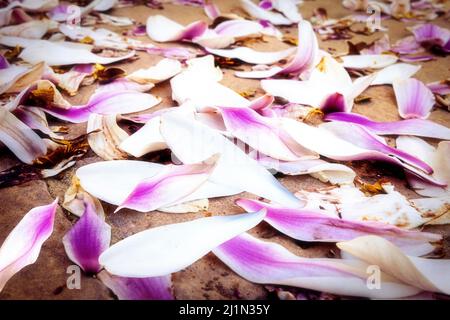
(19, 138)
(440, 87)
(426, 274)
(9, 75)
(318, 225)
(269, 263)
(35, 118)
(398, 71)
(190, 206)
(192, 141)
(262, 134)
(113, 181)
(430, 34)
(106, 102)
(105, 5)
(58, 53)
(363, 138)
(414, 127)
(414, 99)
(34, 29)
(211, 10)
(335, 173)
(259, 13)
(23, 244)
(105, 143)
(288, 8)
(146, 139)
(163, 70)
(350, 203)
(87, 239)
(153, 288)
(169, 186)
(163, 250)
(251, 56)
(437, 158)
(76, 198)
(71, 80)
(438, 207)
(162, 29)
(368, 61)
(124, 84)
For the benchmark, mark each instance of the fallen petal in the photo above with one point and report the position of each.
(414, 99)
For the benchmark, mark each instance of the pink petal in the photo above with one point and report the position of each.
(439, 87)
(211, 10)
(320, 225)
(413, 127)
(407, 45)
(430, 34)
(162, 29)
(262, 134)
(153, 288)
(269, 263)
(172, 184)
(414, 99)
(87, 239)
(23, 244)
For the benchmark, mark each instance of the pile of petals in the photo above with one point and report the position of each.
(210, 141)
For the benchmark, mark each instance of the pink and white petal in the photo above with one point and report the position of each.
(171, 185)
(398, 71)
(259, 13)
(413, 127)
(439, 87)
(262, 134)
(166, 249)
(414, 99)
(87, 239)
(426, 274)
(163, 70)
(431, 34)
(153, 288)
(125, 84)
(407, 45)
(162, 29)
(288, 8)
(19, 138)
(23, 245)
(319, 225)
(192, 141)
(252, 56)
(269, 263)
(211, 10)
(368, 61)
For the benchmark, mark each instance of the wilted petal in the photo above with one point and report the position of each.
(414, 127)
(105, 136)
(430, 34)
(398, 71)
(269, 263)
(76, 197)
(163, 70)
(163, 250)
(192, 141)
(162, 29)
(58, 53)
(23, 244)
(437, 158)
(34, 29)
(153, 288)
(368, 61)
(318, 225)
(87, 239)
(171, 185)
(414, 99)
(262, 134)
(440, 87)
(19, 138)
(426, 274)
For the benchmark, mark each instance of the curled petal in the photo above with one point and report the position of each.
(87, 239)
(319, 225)
(168, 187)
(192, 141)
(105, 136)
(153, 288)
(259, 13)
(426, 274)
(163, 250)
(368, 61)
(34, 29)
(19, 138)
(430, 34)
(163, 70)
(414, 127)
(23, 244)
(414, 99)
(269, 263)
(162, 29)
